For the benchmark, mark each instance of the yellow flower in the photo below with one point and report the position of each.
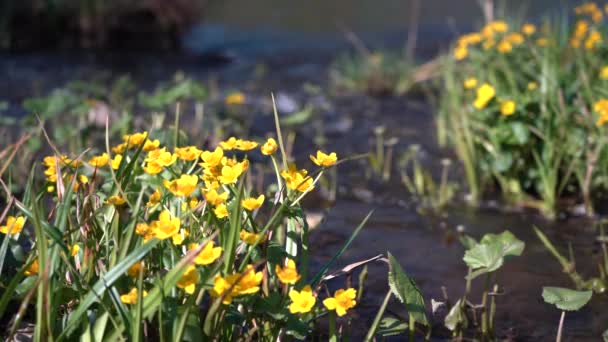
(120, 148)
(136, 268)
(188, 280)
(470, 83)
(13, 224)
(593, 40)
(485, 93)
(141, 229)
(507, 107)
(297, 179)
(505, 46)
(252, 203)
(115, 163)
(461, 52)
(208, 255)
(214, 198)
(178, 238)
(135, 139)
(229, 144)
(99, 161)
(188, 153)
(604, 73)
(532, 86)
(237, 98)
(542, 42)
(251, 238)
(288, 274)
(116, 200)
(301, 301)
(249, 282)
(221, 211)
(212, 159)
(74, 250)
(33, 269)
(158, 159)
(601, 107)
(131, 297)
(528, 29)
(237, 284)
(183, 186)
(154, 198)
(222, 287)
(269, 147)
(166, 226)
(193, 203)
(515, 38)
(341, 301)
(324, 160)
(230, 174)
(246, 145)
(151, 145)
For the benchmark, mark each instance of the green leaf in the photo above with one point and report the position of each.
(390, 326)
(456, 317)
(489, 254)
(566, 299)
(521, 134)
(406, 290)
(296, 328)
(510, 245)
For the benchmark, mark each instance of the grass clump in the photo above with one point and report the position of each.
(525, 109)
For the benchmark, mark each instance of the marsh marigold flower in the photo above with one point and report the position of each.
(13, 224)
(214, 198)
(116, 200)
(507, 107)
(33, 269)
(188, 280)
(115, 163)
(212, 159)
(237, 284)
(157, 160)
(237, 98)
(137, 267)
(166, 226)
(601, 107)
(151, 145)
(287, 274)
(269, 147)
(297, 179)
(604, 73)
(302, 301)
(470, 83)
(154, 198)
(74, 250)
(188, 153)
(131, 297)
(208, 254)
(324, 160)
(485, 93)
(230, 174)
(341, 301)
(528, 29)
(183, 186)
(461, 52)
(99, 161)
(221, 211)
(135, 139)
(251, 238)
(252, 203)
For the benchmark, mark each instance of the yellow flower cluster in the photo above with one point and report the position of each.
(297, 179)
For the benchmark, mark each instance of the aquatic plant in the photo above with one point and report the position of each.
(523, 108)
(565, 300)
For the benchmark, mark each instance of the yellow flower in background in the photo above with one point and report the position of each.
(246, 145)
(212, 159)
(151, 145)
(287, 274)
(183, 186)
(297, 179)
(115, 163)
(136, 268)
(193, 203)
(99, 161)
(604, 73)
(302, 301)
(142, 229)
(470, 83)
(528, 29)
(13, 224)
(154, 198)
(214, 198)
(515, 38)
(230, 174)
(249, 283)
(532, 86)
(74, 250)
(324, 160)
(188, 280)
(542, 42)
(485, 93)
(505, 46)
(131, 297)
(342, 301)
(221, 286)
(594, 39)
(221, 211)
(166, 226)
(461, 52)
(120, 148)
(116, 200)
(208, 254)
(188, 153)
(601, 107)
(33, 269)
(135, 139)
(472, 38)
(158, 159)
(236, 98)
(230, 144)
(251, 238)
(252, 203)
(269, 147)
(507, 107)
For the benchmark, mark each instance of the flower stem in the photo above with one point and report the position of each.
(333, 337)
(560, 327)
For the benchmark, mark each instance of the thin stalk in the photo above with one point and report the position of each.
(177, 114)
(412, 327)
(484, 313)
(374, 327)
(560, 327)
(333, 337)
(492, 309)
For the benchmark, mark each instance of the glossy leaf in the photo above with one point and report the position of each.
(566, 299)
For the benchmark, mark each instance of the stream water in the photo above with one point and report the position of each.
(295, 42)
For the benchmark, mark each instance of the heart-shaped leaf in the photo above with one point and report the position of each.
(405, 289)
(489, 254)
(566, 299)
(510, 245)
